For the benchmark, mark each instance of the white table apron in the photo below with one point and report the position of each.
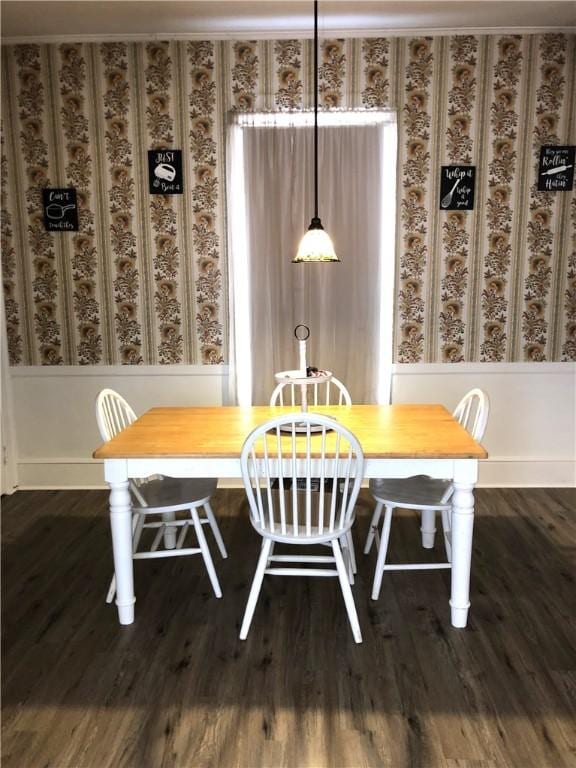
(464, 472)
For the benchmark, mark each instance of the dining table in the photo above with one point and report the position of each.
(400, 440)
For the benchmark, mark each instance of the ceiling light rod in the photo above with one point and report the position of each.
(316, 244)
(316, 219)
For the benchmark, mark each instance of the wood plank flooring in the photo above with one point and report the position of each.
(177, 688)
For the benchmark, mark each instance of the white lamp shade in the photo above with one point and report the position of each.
(316, 245)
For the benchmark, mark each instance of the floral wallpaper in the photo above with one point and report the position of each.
(414, 206)
(123, 278)
(457, 226)
(143, 281)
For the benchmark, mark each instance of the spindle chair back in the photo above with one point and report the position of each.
(302, 474)
(331, 392)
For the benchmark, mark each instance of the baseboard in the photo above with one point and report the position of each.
(496, 472)
(55, 474)
(527, 472)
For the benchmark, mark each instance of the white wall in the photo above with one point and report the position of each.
(531, 435)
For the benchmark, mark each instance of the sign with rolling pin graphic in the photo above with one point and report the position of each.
(457, 187)
(556, 169)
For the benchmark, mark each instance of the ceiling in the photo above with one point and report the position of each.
(54, 20)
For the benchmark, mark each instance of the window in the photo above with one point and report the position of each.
(347, 306)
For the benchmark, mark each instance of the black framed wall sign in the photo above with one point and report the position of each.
(457, 187)
(556, 169)
(60, 209)
(165, 171)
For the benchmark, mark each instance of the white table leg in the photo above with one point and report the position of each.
(462, 528)
(121, 525)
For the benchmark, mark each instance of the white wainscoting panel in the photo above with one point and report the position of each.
(531, 434)
(55, 417)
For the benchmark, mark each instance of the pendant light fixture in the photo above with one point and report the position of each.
(316, 244)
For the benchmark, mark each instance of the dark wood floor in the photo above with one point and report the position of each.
(177, 688)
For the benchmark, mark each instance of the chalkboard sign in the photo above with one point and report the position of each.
(60, 210)
(457, 187)
(556, 169)
(165, 171)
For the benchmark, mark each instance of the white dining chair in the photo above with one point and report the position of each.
(302, 473)
(425, 494)
(331, 392)
(162, 497)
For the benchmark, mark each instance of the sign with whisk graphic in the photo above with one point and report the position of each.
(457, 187)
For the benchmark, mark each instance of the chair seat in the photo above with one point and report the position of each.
(175, 493)
(301, 537)
(412, 492)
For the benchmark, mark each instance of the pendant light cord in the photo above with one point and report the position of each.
(316, 109)
(316, 245)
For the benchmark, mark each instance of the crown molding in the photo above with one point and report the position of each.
(287, 34)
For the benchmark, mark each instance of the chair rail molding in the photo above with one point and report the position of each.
(483, 369)
(530, 439)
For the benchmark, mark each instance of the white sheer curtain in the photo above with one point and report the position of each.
(347, 306)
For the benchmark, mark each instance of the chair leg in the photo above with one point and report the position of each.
(265, 552)
(350, 541)
(447, 530)
(347, 592)
(170, 530)
(215, 530)
(382, 553)
(111, 590)
(428, 528)
(206, 552)
(138, 528)
(373, 527)
(345, 549)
